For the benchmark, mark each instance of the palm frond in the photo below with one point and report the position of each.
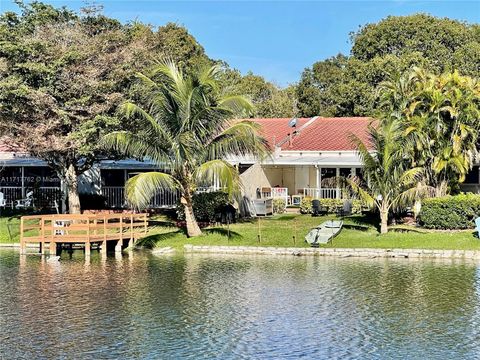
(367, 198)
(135, 146)
(219, 171)
(140, 189)
(240, 139)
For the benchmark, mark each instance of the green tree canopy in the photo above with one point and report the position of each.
(439, 117)
(346, 86)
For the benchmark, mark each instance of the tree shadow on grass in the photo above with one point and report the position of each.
(363, 222)
(286, 217)
(224, 232)
(356, 227)
(154, 240)
(162, 223)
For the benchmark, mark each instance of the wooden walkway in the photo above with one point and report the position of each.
(84, 229)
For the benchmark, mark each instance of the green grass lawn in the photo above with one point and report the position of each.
(280, 231)
(9, 229)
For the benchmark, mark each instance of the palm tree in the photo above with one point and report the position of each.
(185, 128)
(388, 180)
(439, 117)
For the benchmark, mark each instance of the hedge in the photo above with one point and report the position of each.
(206, 205)
(450, 212)
(331, 205)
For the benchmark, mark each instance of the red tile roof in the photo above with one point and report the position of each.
(321, 134)
(6, 145)
(275, 130)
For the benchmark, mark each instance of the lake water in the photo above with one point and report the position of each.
(216, 307)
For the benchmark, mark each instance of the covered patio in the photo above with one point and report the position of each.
(304, 175)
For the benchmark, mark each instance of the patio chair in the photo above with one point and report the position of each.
(3, 202)
(25, 203)
(477, 226)
(346, 209)
(317, 209)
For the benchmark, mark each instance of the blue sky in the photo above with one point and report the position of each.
(276, 39)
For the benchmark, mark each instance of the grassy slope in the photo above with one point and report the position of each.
(279, 231)
(9, 229)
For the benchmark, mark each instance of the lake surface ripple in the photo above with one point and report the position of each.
(224, 307)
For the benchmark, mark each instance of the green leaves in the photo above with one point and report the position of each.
(221, 172)
(184, 125)
(439, 116)
(141, 188)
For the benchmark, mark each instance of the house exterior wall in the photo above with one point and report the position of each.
(302, 176)
(254, 177)
(90, 182)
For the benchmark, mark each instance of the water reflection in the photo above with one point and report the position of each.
(141, 306)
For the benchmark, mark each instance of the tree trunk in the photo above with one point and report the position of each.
(383, 221)
(192, 226)
(71, 183)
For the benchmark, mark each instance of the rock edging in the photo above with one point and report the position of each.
(339, 252)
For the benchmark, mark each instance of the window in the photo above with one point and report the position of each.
(345, 172)
(329, 177)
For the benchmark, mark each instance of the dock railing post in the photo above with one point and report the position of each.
(42, 235)
(87, 243)
(104, 243)
(118, 247)
(23, 247)
(131, 241)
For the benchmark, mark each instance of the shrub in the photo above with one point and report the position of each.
(206, 206)
(450, 212)
(330, 205)
(306, 205)
(279, 206)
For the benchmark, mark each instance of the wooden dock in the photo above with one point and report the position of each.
(83, 229)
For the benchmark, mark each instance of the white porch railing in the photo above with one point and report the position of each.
(115, 197)
(280, 193)
(275, 193)
(323, 193)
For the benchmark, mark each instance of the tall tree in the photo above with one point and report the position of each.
(184, 126)
(388, 180)
(345, 86)
(438, 39)
(439, 116)
(61, 79)
(268, 99)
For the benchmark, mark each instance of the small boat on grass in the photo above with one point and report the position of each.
(324, 233)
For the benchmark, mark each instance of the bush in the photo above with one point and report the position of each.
(306, 205)
(450, 212)
(206, 206)
(330, 205)
(279, 206)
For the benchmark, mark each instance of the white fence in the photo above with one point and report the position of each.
(115, 197)
(323, 193)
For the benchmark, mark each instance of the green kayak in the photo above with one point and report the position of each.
(324, 233)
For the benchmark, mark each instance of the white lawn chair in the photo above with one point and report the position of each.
(25, 203)
(3, 202)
